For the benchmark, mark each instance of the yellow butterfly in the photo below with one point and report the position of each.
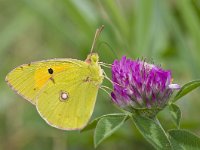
(63, 90)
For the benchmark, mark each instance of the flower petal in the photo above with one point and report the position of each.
(174, 86)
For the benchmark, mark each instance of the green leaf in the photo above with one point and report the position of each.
(175, 144)
(94, 122)
(185, 138)
(176, 114)
(106, 126)
(188, 87)
(152, 132)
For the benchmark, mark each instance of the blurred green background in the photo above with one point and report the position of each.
(166, 31)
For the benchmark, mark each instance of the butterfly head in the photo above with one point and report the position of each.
(92, 58)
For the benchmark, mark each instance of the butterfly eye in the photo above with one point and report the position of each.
(63, 96)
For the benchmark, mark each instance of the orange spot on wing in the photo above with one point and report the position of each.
(42, 76)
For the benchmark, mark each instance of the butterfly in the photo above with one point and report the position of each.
(64, 90)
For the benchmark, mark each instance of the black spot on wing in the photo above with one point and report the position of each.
(50, 71)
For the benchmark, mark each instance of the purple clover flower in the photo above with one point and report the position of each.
(138, 84)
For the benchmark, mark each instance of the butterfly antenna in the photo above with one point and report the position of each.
(98, 31)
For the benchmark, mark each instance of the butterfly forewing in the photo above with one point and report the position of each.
(28, 79)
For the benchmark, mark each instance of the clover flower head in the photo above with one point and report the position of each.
(138, 84)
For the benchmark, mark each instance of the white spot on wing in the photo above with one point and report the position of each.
(64, 96)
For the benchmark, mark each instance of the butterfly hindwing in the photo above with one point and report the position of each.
(74, 110)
